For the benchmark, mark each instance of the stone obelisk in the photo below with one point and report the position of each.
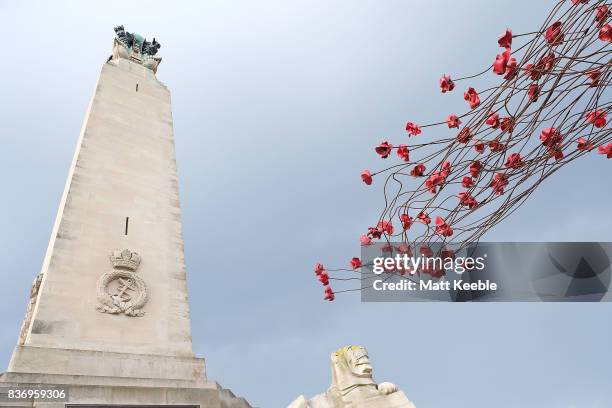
(108, 314)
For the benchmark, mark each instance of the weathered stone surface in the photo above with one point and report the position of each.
(106, 390)
(108, 316)
(124, 167)
(353, 385)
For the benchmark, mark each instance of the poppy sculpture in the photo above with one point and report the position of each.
(546, 107)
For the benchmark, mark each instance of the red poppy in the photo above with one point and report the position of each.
(602, 13)
(404, 249)
(584, 145)
(507, 124)
(386, 248)
(446, 84)
(514, 161)
(499, 182)
(386, 227)
(406, 221)
(607, 150)
(465, 198)
(574, 2)
(403, 152)
(365, 240)
(546, 63)
(553, 34)
(355, 263)
(453, 121)
(418, 170)
(329, 294)
(479, 147)
(533, 92)
(532, 72)
(464, 135)
(413, 129)
(597, 118)
(424, 218)
(442, 228)
(511, 70)
(467, 182)
(475, 168)
(445, 169)
(505, 40)
(374, 232)
(366, 177)
(501, 62)
(471, 96)
(594, 76)
(605, 33)
(557, 153)
(318, 268)
(324, 278)
(434, 180)
(495, 146)
(543, 66)
(384, 149)
(550, 137)
(493, 120)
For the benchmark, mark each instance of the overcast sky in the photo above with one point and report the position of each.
(276, 107)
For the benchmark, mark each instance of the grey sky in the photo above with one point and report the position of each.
(276, 106)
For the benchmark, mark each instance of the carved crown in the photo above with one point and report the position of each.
(125, 259)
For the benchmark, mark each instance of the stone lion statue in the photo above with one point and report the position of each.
(353, 385)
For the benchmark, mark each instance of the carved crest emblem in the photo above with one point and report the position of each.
(122, 290)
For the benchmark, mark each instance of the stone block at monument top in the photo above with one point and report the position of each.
(108, 315)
